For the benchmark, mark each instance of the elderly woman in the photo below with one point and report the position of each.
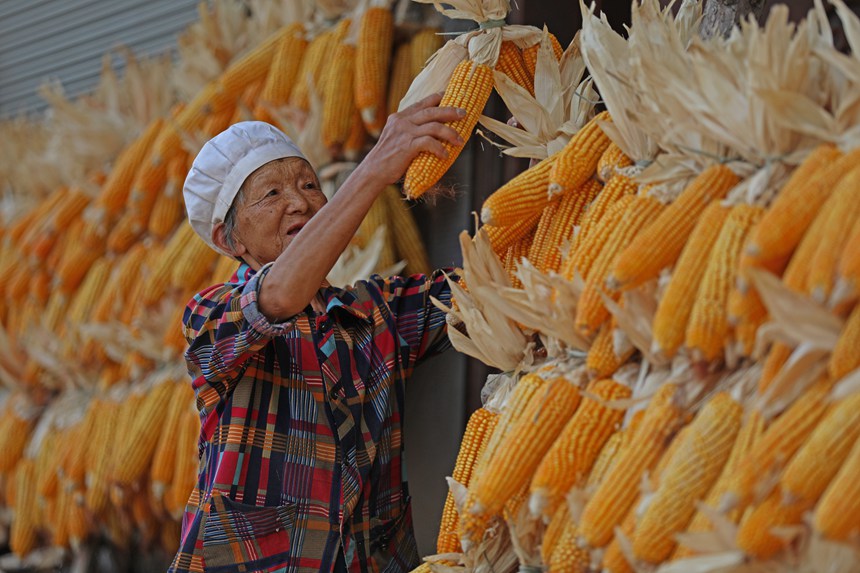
(300, 385)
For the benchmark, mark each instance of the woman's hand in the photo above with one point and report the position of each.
(419, 127)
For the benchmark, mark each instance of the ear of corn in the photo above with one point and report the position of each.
(530, 54)
(614, 559)
(372, 58)
(611, 161)
(602, 359)
(848, 272)
(409, 246)
(554, 530)
(756, 535)
(588, 250)
(284, 72)
(837, 515)
(501, 238)
(469, 89)
(401, 76)
(578, 160)
(424, 44)
(521, 197)
(511, 64)
(619, 489)
(117, 187)
(567, 556)
(660, 245)
(571, 209)
(846, 356)
(339, 104)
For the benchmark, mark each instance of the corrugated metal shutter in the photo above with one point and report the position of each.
(66, 39)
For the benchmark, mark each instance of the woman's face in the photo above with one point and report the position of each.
(279, 199)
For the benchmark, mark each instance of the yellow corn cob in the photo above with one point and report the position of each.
(570, 212)
(471, 524)
(16, 433)
(848, 272)
(133, 461)
(619, 489)
(89, 292)
(568, 462)
(602, 360)
(611, 161)
(169, 207)
(408, 241)
(252, 66)
(519, 198)
(401, 76)
(164, 456)
(841, 210)
(591, 312)
(519, 455)
(600, 219)
(376, 217)
(46, 480)
(756, 535)
(690, 473)
(567, 556)
(708, 326)
(339, 105)
(284, 73)
(774, 362)
(797, 204)
(116, 188)
(554, 530)
(750, 432)
(846, 355)
(478, 430)
(469, 89)
(837, 515)
(150, 181)
(356, 141)
(660, 245)
(23, 537)
(819, 459)
(530, 54)
(511, 64)
(423, 45)
(542, 234)
(614, 559)
(516, 253)
(606, 458)
(98, 486)
(372, 58)
(501, 238)
(193, 264)
(776, 447)
(577, 162)
(311, 69)
(162, 273)
(186, 465)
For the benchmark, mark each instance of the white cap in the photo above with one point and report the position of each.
(223, 164)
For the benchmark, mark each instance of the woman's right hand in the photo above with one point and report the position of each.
(419, 127)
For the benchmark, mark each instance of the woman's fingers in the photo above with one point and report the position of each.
(430, 144)
(437, 114)
(441, 132)
(430, 101)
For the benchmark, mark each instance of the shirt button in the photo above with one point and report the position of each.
(333, 394)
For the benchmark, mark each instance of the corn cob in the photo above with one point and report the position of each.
(501, 238)
(511, 64)
(339, 105)
(164, 456)
(162, 272)
(377, 216)
(577, 162)
(570, 212)
(794, 209)
(611, 161)
(478, 430)
(13, 440)
(542, 234)
(606, 457)
(424, 44)
(837, 515)
(848, 273)
(756, 536)
(602, 360)
(776, 359)
(116, 188)
(401, 76)
(520, 198)
(521, 452)
(841, 210)
(311, 70)
(776, 447)
(356, 141)
(690, 473)
(530, 54)
(469, 89)
(251, 67)
(554, 530)
(23, 537)
(193, 264)
(750, 432)
(514, 257)
(591, 312)
(581, 260)
(284, 73)
(567, 556)
(89, 293)
(660, 245)
(568, 462)
(617, 189)
(614, 559)
(846, 355)
(372, 59)
(186, 465)
(409, 245)
(169, 208)
(708, 326)
(618, 490)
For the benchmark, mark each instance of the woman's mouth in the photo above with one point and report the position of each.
(294, 229)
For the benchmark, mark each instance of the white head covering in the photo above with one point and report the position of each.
(223, 164)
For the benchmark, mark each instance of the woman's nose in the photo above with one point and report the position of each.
(296, 201)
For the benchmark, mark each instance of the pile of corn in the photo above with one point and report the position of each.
(99, 426)
(693, 401)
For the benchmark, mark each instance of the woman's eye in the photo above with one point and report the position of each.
(310, 185)
(272, 193)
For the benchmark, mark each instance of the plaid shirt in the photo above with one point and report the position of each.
(300, 446)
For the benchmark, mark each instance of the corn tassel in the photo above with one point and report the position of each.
(660, 245)
(618, 491)
(469, 89)
(577, 161)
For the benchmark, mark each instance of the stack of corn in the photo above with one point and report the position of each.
(99, 427)
(713, 423)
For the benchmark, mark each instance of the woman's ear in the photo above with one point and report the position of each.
(219, 237)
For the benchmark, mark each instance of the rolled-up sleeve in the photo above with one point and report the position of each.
(418, 321)
(224, 328)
